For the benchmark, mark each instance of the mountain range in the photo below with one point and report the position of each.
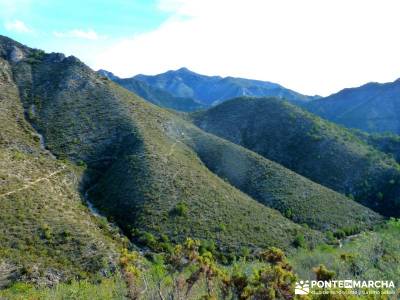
(310, 146)
(102, 187)
(154, 94)
(209, 90)
(373, 107)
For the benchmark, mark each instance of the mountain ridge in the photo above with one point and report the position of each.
(372, 107)
(308, 145)
(211, 90)
(153, 94)
(122, 140)
(175, 201)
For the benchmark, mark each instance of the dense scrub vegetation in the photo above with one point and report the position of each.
(373, 254)
(385, 142)
(191, 271)
(139, 170)
(160, 179)
(315, 148)
(47, 234)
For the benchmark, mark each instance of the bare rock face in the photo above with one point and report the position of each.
(16, 54)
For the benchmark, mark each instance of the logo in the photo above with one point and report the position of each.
(302, 287)
(368, 287)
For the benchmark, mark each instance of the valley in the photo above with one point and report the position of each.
(143, 188)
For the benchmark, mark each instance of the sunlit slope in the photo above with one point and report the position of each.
(315, 148)
(47, 234)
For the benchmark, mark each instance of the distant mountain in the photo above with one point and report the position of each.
(315, 148)
(167, 200)
(107, 74)
(154, 95)
(152, 171)
(211, 90)
(142, 166)
(373, 107)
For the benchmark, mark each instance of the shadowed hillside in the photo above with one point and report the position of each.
(139, 175)
(153, 94)
(308, 145)
(47, 234)
(203, 215)
(373, 107)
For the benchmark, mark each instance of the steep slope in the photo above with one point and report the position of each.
(155, 95)
(373, 107)
(47, 234)
(211, 90)
(151, 161)
(141, 177)
(296, 197)
(310, 146)
(386, 142)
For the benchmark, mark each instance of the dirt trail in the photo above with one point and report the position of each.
(347, 239)
(32, 183)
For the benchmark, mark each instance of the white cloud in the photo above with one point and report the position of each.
(313, 46)
(17, 26)
(79, 33)
(10, 8)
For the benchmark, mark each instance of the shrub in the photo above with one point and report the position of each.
(148, 239)
(323, 274)
(47, 233)
(181, 210)
(300, 241)
(221, 227)
(273, 255)
(339, 234)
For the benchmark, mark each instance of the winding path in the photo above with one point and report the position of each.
(29, 184)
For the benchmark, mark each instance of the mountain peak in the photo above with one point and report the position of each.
(184, 69)
(107, 74)
(210, 90)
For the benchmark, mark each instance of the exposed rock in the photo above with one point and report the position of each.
(16, 55)
(54, 57)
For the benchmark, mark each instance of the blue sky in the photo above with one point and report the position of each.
(311, 46)
(65, 26)
(116, 18)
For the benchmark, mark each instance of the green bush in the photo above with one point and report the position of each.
(181, 210)
(300, 241)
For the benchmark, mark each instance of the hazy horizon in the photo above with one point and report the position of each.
(313, 47)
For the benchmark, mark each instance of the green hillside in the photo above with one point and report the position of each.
(203, 215)
(319, 150)
(386, 142)
(139, 175)
(47, 234)
(296, 197)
